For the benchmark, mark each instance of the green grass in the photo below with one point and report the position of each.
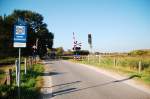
(30, 84)
(2, 76)
(124, 65)
(66, 57)
(9, 60)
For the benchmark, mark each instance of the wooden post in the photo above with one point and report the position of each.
(9, 77)
(88, 59)
(115, 62)
(34, 59)
(99, 59)
(83, 58)
(140, 66)
(91, 58)
(25, 66)
(30, 62)
(94, 58)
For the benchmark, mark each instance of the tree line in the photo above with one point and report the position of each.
(36, 31)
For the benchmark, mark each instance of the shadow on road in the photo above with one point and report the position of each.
(70, 83)
(70, 90)
(60, 92)
(107, 83)
(51, 73)
(45, 73)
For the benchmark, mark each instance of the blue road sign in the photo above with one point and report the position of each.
(20, 34)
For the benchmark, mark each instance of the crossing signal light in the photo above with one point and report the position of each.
(76, 48)
(89, 39)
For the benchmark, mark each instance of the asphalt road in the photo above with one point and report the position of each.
(74, 81)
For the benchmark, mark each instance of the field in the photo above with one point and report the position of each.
(128, 65)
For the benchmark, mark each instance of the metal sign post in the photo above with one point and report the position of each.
(19, 67)
(20, 34)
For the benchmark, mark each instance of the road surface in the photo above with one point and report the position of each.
(74, 81)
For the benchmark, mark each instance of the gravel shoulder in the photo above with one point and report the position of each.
(46, 88)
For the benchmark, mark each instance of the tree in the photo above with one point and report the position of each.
(68, 52)
(59, 51)
(45, 42)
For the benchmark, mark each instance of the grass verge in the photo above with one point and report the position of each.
(125, 66)
(30, 84)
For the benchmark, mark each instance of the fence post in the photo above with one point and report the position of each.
(93, 56)
(9, 77)
(25, 66)
(82, 58)
(16, 64)
(140, 66)
(115, 62)
(99, 59)
(30, 62)
(88, 59)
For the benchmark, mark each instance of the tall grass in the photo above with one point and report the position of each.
(122, 64)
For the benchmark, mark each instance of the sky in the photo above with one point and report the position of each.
(115, 25)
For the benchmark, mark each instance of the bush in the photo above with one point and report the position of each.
(31, 83)
(81, 52)
(139, 52)
(4, 90)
